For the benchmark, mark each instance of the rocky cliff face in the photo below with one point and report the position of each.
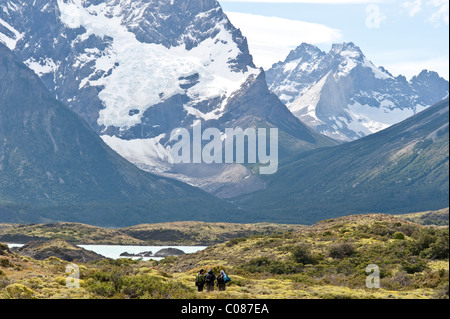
(345, 96)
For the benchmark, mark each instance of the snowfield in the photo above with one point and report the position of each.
(144, 74)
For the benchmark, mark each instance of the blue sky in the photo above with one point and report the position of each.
(405, 36)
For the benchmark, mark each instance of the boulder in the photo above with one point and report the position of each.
(127, 254)
(146, 254)
(166, 252)
(142, 254)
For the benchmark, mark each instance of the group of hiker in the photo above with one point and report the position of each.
(209, 280)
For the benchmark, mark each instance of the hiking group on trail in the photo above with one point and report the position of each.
(209, 278)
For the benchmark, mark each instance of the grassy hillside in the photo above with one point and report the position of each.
(199, 233)
(327, 260)
(72, 232)
(177, 233)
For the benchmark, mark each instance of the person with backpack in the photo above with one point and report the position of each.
(209, 280)
(222, 280)
(200, 280)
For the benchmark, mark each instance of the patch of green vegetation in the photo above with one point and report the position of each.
(121, 279)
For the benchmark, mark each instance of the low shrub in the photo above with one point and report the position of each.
(414, 265)
(235, 241)
(266, 265)
(399, 281)
(5, 263)
(399, 236)
(136, 287)
(341, 250)
(19, 291)
(431, 278)
(301, 254)
(442, 292)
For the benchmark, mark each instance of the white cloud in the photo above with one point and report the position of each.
(439, 8)
(441, 15)
(272, 38)
(413, 7)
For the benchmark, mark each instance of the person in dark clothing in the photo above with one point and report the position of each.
(209, 279)
(221, 281)
(200, 280)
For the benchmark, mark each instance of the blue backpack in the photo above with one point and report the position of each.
(226, 278)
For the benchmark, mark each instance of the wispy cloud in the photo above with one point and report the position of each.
(272, 38)
(441, 15)
(412, 7)
(439, 9)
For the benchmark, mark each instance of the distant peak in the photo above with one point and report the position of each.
(307, 46)
(304, 50)
(428, 74)
(338, 48)
(345, 45)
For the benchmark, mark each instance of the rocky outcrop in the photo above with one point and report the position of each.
(41, 250)
(142, 254)
(167, 252)
(4, 250)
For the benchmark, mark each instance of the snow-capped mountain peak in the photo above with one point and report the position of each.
(135, 54)
(344, 95)
(347, 50)
(163, 69)
(304, 51)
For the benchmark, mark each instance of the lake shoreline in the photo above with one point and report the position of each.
(115, 251)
